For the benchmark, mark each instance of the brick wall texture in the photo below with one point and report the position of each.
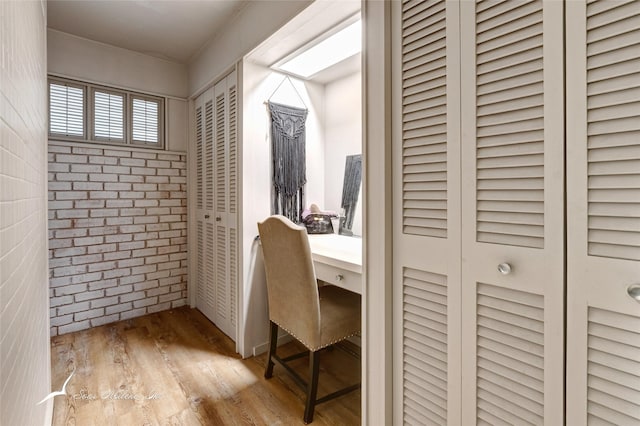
(117, 234)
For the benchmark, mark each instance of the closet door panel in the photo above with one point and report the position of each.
(603, 199)
(205, 300)
(512, 212)
(426, 167)
(224, 180)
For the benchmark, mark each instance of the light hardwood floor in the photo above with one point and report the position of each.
(176, 368)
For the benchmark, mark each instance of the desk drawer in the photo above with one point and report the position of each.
(339, 277)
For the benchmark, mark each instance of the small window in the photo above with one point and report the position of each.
(66, 110)
(108, 115)
(145, 120)
(87, 112)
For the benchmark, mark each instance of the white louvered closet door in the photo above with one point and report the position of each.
(426, 229)
(225, 204)
(603, 195)
(512, 212)
(205, 298)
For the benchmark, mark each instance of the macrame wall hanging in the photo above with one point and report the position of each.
(288, 153)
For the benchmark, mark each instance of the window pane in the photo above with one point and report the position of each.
(108, 116)
(145, 120)
(66, 110)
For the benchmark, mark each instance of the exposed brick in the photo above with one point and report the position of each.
(117, 169)
(129, 297)
(103, 194)
(119, 308)
(88, 295)
(103, 285)
(169, 297)
(57, 224)
(116, 273)
(64, 158)
(59, 186)
(132, 179)
(119, 290)
(73, 308)
(145, 285)
(74, 213)
(117, 153)
(84, 223)
(104, 230)
(145, 302)
(117, 255)
(120, 221)
(156, 179)
(144, 171)
(102, 266)
(131, 245)
(73, 251)
(117, 186)
(70, 289)
(157, 275)
(86, 168)
(167, 265)
(126, 263)
(101, 248)
(146, 203)
(74, 326)
(127, 229)
(144, 154)
(59, 301)
(71, 195)
(145, 236)
(102, 160)
(86, 277)
(89, 204)
(61, 320)
(119, 203)
(118, 238)
(88, 151)
(143, 269)
(159, 307)
(106, 301)
(103, 213)
(145, 219)
(133, 314)
(69, 270)
(170, 157)
(108, 319)
(131, 194)
(88, 186)
(88, 241)
(132, 279)
(90, 258)
(59, 149)
(80, 316)
(103, 177)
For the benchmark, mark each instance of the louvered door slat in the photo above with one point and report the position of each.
(209, 253)
(424, 119)
(425, 344)
(199, 159)
(510, 115)
(208, 155)
(613, 128)
(220, 154)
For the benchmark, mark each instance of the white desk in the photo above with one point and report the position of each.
(338, 260)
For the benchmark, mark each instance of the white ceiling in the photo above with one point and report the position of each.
(170, 29)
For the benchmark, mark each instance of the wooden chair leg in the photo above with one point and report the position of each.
(273, 344)
(312, 386)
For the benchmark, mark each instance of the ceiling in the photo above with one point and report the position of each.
(175, 30)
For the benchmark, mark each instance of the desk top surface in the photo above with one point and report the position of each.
(337, 250)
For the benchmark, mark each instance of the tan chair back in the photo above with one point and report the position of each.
(291, 281)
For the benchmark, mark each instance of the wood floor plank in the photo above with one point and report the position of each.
(176, 368)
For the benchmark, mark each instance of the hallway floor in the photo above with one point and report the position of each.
(176, 368)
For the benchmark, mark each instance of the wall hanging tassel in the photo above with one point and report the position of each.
(288, 147)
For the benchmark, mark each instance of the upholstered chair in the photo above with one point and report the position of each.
(317, 317)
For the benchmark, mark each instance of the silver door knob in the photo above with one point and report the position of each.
(504, 268)
(339, 277)
(634, 291)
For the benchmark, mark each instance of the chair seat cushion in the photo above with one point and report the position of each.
(340, 314)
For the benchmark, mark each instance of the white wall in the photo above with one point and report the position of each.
(91, 61)
(25, 372)
(259, 84)
(253, 24)
(343, 136)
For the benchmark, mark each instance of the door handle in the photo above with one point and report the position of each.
(218, 218)
(504, 268)
(634, 292)
(206, 216)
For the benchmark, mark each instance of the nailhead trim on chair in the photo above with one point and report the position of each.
(319, 347)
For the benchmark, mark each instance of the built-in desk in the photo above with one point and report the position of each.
(338, 260)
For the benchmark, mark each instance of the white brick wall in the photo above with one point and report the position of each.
(25, 373)
(118, 234)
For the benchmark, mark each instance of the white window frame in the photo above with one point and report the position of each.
(89, 136)
(160, 103)
(85, 120)
(91, 111)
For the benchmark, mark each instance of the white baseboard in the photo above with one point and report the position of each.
(260, 349)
